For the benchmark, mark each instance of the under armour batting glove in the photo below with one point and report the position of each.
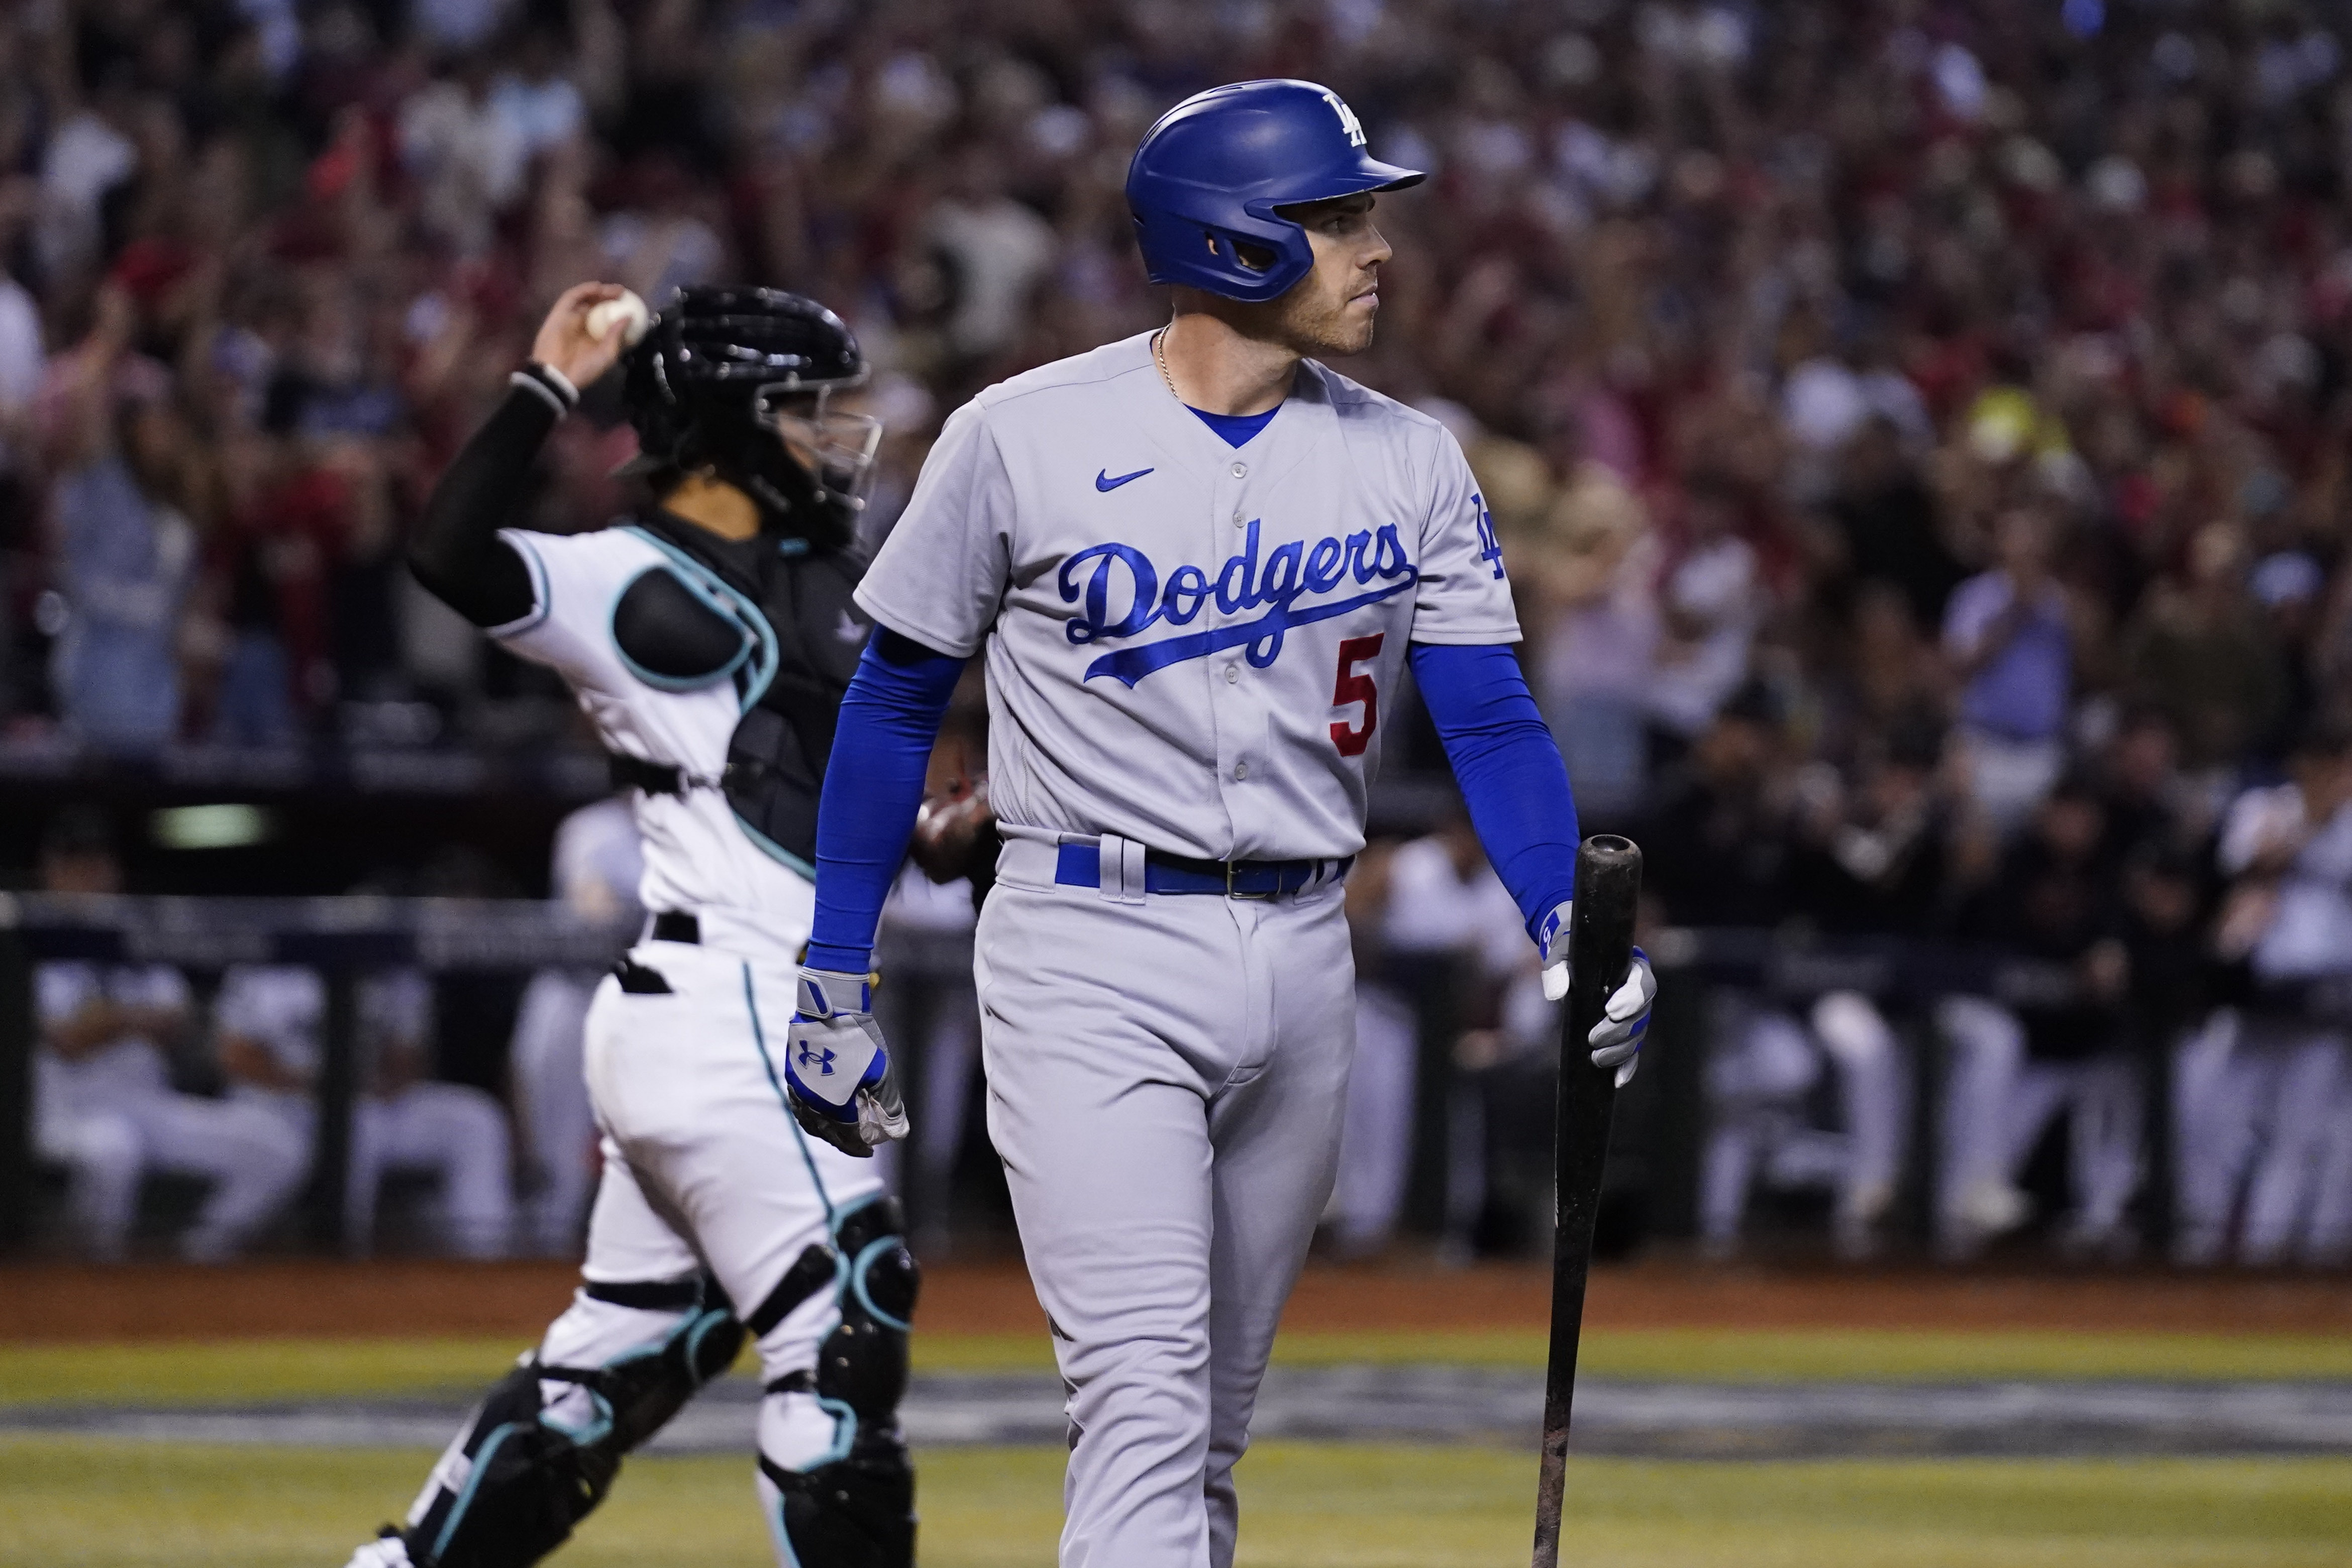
(837, 1068)
(1616, 1039)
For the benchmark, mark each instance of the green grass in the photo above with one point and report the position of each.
(229, 1370)
(73, 1503)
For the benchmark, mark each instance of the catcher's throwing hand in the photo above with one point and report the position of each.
(1616, 1039)
(564, 344)
(837, 1068)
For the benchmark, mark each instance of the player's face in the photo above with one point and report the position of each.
(1331, 310)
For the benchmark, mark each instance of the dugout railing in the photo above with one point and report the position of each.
(1706, 977)
(342, 937)
(1656, 1152)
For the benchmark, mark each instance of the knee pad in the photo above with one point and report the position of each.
(863, 1362)
(855, 1507)
(511, 1488)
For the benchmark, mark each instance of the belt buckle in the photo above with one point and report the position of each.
(1233, 892)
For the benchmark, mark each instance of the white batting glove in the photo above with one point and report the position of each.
(1616, 1039)
(837, 1068)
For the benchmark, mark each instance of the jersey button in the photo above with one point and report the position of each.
(1233, 673)
(1241, 771)
(1241, 470)
(1237, 516)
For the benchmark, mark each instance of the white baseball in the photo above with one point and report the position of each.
(629, 311)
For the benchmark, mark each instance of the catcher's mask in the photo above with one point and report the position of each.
(740, 382)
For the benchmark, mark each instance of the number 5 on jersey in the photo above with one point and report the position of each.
(1353, 685)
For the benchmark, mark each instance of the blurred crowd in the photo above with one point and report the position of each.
(1917, 433)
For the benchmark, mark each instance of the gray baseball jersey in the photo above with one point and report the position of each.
(1191, 641)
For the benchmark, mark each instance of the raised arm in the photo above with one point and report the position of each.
(455, 549)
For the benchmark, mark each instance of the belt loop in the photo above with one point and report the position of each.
(1121, 876)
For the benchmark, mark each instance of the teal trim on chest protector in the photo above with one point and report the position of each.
(773, 850)
(723, 597)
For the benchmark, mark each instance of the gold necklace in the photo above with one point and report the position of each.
(1161, 358)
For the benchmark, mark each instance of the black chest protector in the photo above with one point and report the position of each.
(776, 618)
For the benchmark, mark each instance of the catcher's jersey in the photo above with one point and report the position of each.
(699, 856)
(1190, 645)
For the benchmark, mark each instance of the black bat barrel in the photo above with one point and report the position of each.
(1600, 945)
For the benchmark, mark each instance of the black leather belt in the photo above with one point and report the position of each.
(678, 925)
(1080, 866)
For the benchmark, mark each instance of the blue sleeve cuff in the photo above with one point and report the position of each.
(873, 787)
(1509, 768)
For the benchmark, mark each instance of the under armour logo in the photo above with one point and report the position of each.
(1348, 120)
(820, 1060)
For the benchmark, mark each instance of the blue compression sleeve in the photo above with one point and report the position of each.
(873, 787)
(1508, 766)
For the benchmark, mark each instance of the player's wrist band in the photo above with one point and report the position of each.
(548, 383)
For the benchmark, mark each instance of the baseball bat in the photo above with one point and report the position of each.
(1600, 946)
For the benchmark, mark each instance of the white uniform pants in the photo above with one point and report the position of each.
(551, 1104)
(1756, 1084)
(706, 1169)
(1376, 1137)
(1165, 1084)
(2263, 1112)
(1998, 1104)
(252, 1160)
(452, 1132)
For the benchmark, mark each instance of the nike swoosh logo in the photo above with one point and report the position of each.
(1104, 482)
(849, 631)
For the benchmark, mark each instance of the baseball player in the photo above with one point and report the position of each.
(105, 1106)
(710, 638)
(597, 866)
(269, 1022)
(1197, 562)
(2262, 1095)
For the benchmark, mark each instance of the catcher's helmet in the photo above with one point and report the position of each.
(1211, 170)
(738, 380)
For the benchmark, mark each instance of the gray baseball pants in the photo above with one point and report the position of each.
(1166, 1076)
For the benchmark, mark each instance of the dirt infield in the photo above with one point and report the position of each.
(48, 1302)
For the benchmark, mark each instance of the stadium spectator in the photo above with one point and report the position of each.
(2265, 1124)
(108, 1110)
(270, 1021)
(1437, 940)
(1710, 601)
(1897, 284)
(2204, 652)
(127, 550)
(2048, 1037)
(1724, 849)
(2007, 632)
(1595, 630)
(1886, 527)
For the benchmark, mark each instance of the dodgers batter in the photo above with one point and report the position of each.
(709, 637)
(1197, 562)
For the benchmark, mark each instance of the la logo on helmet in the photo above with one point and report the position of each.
(1348, 120)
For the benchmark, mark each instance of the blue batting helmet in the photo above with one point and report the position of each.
(1211, 170)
